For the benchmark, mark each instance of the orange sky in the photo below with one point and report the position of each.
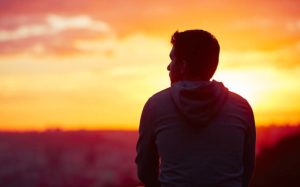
(92, 64)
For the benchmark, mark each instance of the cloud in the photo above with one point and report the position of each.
(54, 33)
(293, 26)
(252, 23)
(54, 24)
(282, 58)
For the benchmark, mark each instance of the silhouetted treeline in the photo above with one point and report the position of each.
(58, 158)
(279, 165)
(269, 135)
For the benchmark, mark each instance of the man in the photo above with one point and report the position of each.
(196, 133)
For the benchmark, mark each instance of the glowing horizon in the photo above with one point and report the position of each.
(94, 64)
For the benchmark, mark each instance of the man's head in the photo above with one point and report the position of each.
(195, 55)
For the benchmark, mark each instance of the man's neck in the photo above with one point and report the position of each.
(194, 78)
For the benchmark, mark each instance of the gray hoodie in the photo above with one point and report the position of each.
(196, 133)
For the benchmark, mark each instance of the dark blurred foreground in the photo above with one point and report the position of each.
(279, 165)
(57, 158)
(67, 159)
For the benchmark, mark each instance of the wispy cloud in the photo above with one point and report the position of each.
(293, 26)
(54, 24)
(254, 23)
(53, 33)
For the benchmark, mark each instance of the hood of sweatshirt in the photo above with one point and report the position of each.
(199, 101)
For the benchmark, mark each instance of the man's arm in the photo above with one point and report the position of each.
(249, 152)
(147, 158)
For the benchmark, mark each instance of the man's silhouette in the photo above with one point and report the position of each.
(195, 133)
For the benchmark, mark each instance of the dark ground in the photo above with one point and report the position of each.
(57, 158)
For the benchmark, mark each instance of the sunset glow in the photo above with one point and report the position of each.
(93, 64)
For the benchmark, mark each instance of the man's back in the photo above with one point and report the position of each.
(195, 133)
(203, 135)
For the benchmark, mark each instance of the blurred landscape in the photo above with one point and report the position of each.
(57, 158)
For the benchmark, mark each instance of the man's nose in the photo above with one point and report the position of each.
(168, 67)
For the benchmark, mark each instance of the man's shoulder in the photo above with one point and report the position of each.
(160, 96)
(240, 106)
(236, 98)
(236, 102)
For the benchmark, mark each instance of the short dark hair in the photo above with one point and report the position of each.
(200, 49)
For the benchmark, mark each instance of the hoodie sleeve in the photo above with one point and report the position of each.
(249, 152)
(147, 158)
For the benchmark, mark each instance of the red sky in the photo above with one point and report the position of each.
(92, 64)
